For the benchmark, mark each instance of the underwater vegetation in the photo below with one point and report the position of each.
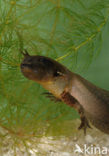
(70, 32)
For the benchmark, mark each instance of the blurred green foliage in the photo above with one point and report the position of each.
(68, 31)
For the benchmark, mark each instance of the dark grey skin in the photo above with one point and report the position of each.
(91, 102)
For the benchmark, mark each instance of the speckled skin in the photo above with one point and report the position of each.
(91, 102)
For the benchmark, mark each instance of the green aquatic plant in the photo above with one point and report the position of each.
(68, 31)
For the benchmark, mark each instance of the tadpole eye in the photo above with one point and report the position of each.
(57, 73)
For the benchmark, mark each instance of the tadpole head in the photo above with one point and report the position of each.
(41, 68)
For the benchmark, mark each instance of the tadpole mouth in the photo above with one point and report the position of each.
(24, 65)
